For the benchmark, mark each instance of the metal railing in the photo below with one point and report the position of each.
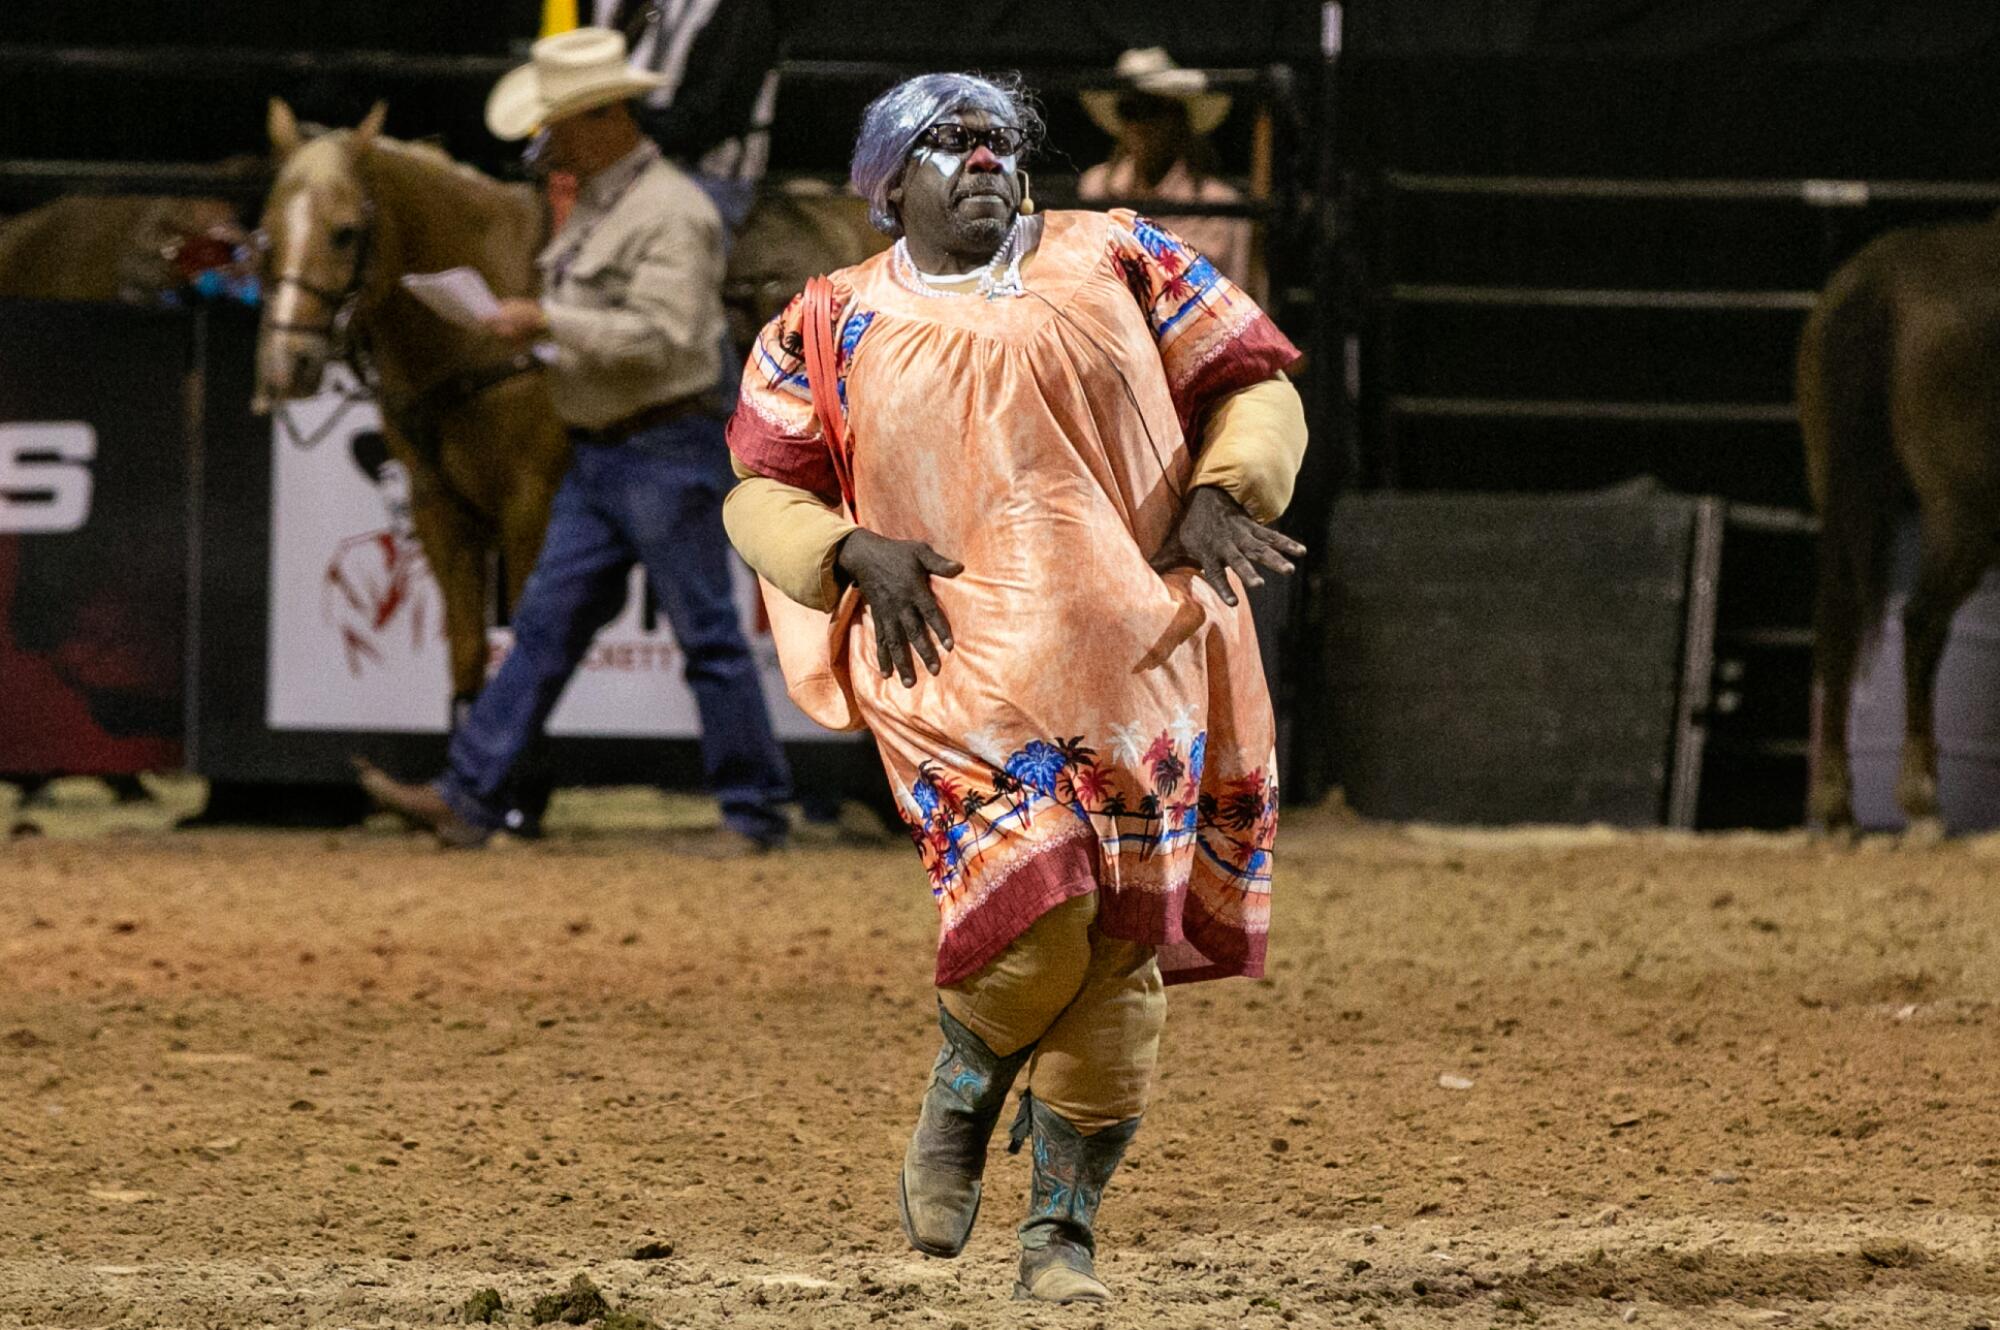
(1653, 413)
(1830, 198)
(1537, 297)
(36, 177)
(247, 63)
(1816, 193)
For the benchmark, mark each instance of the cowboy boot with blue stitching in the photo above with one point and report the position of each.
(939, 1195)
(1070, 1171)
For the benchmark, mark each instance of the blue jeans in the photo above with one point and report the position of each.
(655, 499)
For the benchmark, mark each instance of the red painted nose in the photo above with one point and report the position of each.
(982, 159)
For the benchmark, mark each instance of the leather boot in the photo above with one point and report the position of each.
(939, 1194)
(1058, 1240)
(422, 806)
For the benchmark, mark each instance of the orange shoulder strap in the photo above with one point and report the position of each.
(823, 378)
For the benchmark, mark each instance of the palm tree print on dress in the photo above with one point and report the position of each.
(1187, 274)
(1158, 788)
(1247, 806)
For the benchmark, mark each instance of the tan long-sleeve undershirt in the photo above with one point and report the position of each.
(787, 534)
(1254, 443)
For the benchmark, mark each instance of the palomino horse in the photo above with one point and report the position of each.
(1898, 398)
(349, 214)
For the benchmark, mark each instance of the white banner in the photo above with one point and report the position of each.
(357, 620)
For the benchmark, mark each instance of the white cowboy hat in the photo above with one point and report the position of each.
(568, 73)
(1153, 72)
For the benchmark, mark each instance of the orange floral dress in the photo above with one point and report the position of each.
(1099, 727)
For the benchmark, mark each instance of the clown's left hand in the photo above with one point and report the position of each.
(1217, 536)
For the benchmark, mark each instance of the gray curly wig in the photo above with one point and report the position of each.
(892, 123)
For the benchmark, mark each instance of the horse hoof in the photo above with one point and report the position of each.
(1837, 835)
(1924, 832)
(1830, 808)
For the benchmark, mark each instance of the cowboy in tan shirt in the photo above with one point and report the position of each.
(632, 308)
(631, 293)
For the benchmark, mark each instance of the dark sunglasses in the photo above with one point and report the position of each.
(1138, 106)
(1001, 140)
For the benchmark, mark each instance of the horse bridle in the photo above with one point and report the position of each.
(342, 345)
(337, 331)
(342, 303)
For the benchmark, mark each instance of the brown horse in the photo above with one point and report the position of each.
(788, 239)
(1899, 399)
(119, 247)
(349, 214)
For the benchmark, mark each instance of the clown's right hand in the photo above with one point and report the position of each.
(894, 578)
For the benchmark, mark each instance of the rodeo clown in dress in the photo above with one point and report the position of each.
(1059, 437)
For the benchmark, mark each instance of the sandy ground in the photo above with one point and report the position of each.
(255, 1079)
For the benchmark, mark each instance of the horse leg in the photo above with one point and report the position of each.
(455, 545)
(1956, 549)
(1837, 630)
(524, 520)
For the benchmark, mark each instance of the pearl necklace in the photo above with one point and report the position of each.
(1000, 277)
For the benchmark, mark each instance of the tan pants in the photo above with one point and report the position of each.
(1092, 1005)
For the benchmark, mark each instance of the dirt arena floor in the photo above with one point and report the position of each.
(1526, 1078)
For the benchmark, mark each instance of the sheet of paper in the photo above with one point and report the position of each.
(458, 294)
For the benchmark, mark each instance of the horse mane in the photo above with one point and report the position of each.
(430, 154)
(411, 152)
(508, 217)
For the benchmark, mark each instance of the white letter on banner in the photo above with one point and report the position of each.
(40, 496)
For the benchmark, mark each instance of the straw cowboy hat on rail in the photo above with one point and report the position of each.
(567, 74)
(1152, 72)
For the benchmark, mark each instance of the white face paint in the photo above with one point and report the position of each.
(947, 163)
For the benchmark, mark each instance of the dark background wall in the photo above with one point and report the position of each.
(1644, 89)
(1720, 113)
(1669, 28)
(194, 105)
(1065, 31)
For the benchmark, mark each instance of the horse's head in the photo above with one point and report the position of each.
(785, 240)
(316, 227)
